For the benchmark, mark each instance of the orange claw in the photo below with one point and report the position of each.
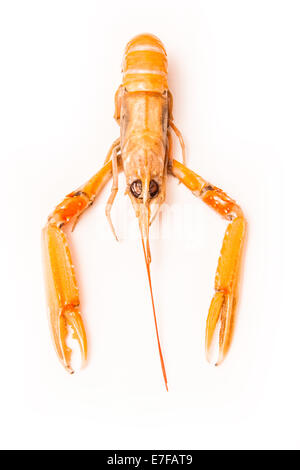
(62, 293)
(223, 305)
(61, 285)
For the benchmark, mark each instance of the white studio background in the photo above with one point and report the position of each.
(234, 75)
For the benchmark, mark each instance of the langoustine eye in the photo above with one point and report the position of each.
(136, 188)
(153, 188)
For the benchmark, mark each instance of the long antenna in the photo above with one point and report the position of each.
(147, 260)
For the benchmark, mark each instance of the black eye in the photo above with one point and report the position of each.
(153, 188)
(136, 188)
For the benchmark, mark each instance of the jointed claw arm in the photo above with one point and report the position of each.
(61, 285)
(223, 304)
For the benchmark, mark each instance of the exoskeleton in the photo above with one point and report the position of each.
(143, 109)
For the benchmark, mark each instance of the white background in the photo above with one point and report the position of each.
(234, 75)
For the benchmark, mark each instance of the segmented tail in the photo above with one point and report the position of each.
(145, 65)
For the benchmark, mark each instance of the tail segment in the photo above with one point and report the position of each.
(145, 65)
